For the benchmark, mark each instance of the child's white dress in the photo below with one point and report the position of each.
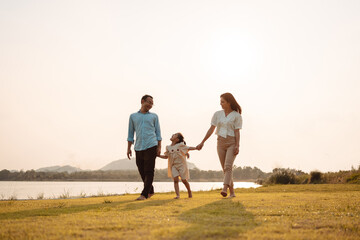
(177, 165)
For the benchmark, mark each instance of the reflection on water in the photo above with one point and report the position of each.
(39, 190)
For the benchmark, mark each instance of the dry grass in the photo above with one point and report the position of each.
(273, 212)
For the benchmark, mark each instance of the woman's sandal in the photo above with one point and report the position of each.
(224, 194)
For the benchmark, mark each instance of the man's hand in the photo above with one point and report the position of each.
(129, 154)
(158, 150)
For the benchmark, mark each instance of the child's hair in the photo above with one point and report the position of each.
(181, 138)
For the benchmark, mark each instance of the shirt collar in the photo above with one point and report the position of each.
(143, 113)
(223, 113)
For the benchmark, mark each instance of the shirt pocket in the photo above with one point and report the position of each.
(222, 123)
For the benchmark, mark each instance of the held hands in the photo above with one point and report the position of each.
(158, 151)
(162, 156)
(200, 146)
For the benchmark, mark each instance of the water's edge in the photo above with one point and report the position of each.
(16, 190)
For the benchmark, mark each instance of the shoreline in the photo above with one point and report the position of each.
(112, 180)
(32, 190)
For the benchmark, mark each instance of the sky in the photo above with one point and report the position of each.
(71, 73)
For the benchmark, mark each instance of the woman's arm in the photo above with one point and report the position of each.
(208, 134)
(237, 141)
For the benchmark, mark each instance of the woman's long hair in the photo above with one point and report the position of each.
(233, 103)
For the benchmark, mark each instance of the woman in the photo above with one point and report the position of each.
(228, 123)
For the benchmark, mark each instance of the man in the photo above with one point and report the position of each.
(147, 144)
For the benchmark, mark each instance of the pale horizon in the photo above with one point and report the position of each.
(71, 73)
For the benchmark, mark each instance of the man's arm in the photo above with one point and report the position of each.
(158, 135)
(130, 138)
(129, 153)
(158, 148)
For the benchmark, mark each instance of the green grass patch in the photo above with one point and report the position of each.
(273, 212)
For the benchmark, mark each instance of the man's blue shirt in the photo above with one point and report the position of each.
(147, 128)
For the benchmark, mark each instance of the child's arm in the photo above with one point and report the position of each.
(192, 148)
(163, 156)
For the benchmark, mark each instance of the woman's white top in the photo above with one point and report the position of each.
(226, 125)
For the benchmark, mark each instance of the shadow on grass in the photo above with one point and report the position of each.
(221, 219)
(60, 209)
(136, 205)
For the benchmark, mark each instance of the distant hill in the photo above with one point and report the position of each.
(122, 164)
(191, 165)
(66, 168)
(126, 164)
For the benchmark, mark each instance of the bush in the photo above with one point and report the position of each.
(302, 179)
(354, 178)
(282, 176)
(315, 177)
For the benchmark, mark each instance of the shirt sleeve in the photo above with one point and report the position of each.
(238, 122)
(184, 149)
(214, 120)
(157, 129)
(131, 130)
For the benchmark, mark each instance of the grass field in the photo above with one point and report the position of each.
(272, 212)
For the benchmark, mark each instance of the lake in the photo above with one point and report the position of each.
(38, 190)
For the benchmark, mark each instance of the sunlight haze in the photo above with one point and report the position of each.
(71, 73)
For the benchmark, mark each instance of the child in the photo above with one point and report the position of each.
(176, 154)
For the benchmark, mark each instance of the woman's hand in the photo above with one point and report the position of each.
(236, 150)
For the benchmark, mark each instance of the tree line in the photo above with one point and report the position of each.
(292, 176)
(277, 176)
(239, 173)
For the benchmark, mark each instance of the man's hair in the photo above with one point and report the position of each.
(145, 97)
